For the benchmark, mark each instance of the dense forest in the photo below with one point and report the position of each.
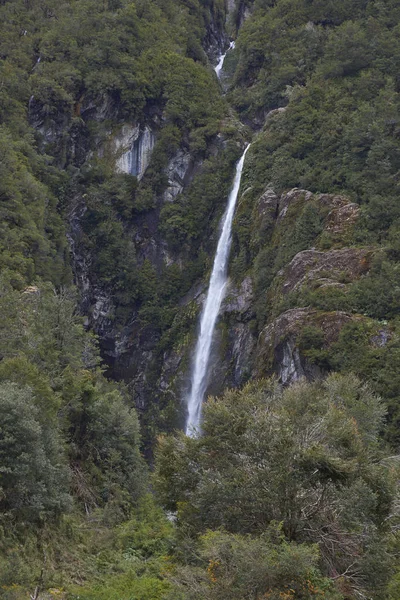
(118, 146)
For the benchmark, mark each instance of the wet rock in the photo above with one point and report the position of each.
(234, 341)
(290, 367)
(242, 353)
(133, 147)
(238, 299)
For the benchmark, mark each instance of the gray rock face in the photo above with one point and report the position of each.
(230, 7)
(267, 205)
(237, 12)
(133, 147)
(324, 268)
(277, 347)
(239, 305)
(242, 353)
(177, 171)
(342, 212)
(342, 217)
(238, 300)
(99, 109)
(381, 339)
(290, 367)
(289, 198)
(236, 341)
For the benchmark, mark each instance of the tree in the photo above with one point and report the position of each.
(33, 474)
(242, 567)
(307, 456)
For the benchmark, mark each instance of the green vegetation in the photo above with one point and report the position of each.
(333, 67)
(59, 61)
(69, 441)
(238, 566)
(70, 447)
(289, 493)
(307, 458)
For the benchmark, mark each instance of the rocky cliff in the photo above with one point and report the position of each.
(145, 199)
(123, 172)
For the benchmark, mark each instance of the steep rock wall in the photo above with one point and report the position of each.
(133, 147)
(304, 275)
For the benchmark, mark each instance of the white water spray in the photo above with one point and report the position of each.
(220, 64)
(211, 309)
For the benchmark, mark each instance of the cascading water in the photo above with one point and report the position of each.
(220, 64)
(211, 309)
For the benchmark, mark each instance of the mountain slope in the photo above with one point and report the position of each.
(118, 147)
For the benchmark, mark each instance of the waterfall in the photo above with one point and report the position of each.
(220, 64)
(211, 309)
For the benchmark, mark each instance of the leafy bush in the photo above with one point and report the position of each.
(302, 456)
(237, 567)
(33, 474)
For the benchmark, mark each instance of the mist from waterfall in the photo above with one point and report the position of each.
(215, 295)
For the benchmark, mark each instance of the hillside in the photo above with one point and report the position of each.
(118, 147)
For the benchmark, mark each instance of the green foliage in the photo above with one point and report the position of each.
(334, 67)
(309, 456)
(311, 342)
(237, 567)
(137, 560)
(69, 441)
(187, 220)
(33, 476)
(377, 294)
(148, 533)
(41, 324)
(46, 348)
(113, 441)
(290, 456)
(124, 587)
(373, 353)
(31, 243)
